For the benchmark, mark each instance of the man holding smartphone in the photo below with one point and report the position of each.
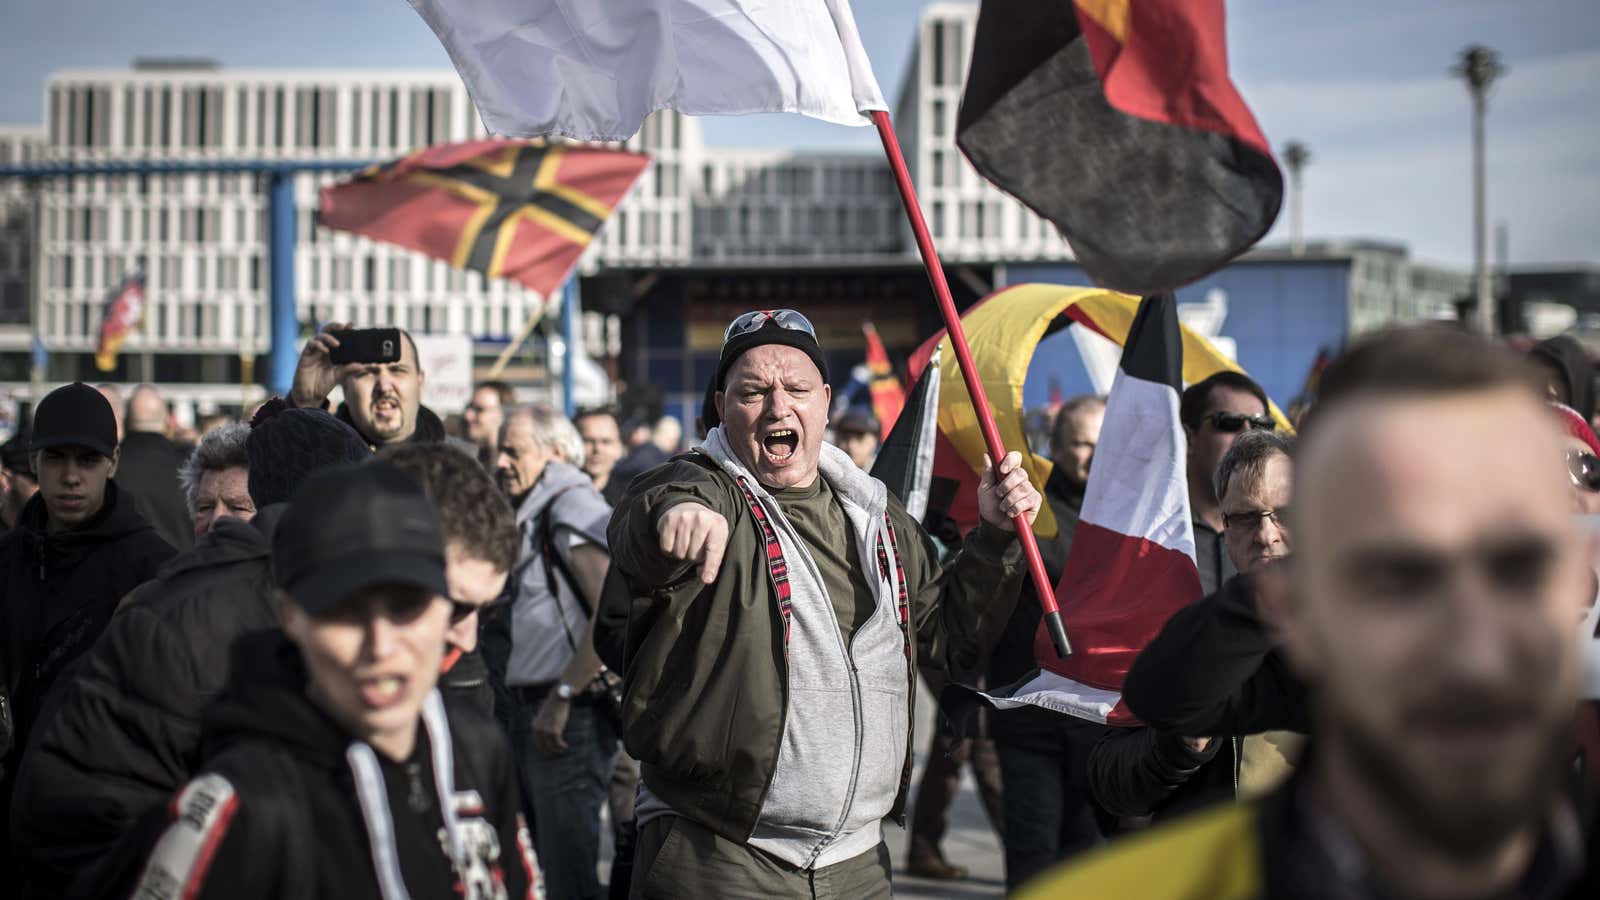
(382, 379)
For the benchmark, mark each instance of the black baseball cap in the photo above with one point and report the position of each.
(74, 415)
(351, 527)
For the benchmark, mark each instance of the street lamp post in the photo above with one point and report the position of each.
(1479, 66)
(1295, 157)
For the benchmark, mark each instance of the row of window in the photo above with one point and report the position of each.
(200, 117)
(987, 219)
(819, 225)
(836, 181)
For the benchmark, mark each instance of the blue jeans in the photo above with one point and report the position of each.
(567, 793)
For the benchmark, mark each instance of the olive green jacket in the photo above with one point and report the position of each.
(705, 679)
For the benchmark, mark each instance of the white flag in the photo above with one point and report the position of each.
(594, 69)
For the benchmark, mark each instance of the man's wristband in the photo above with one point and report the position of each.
(564, 692)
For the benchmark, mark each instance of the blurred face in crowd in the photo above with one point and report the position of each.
(16, 489)
(484, 416)
(860, 445)
(373, 660)
(1434, 603)
(1583, 470)
(474, 583)
(602, 445)
(1073, 441)
(73, 482)
(1208, 443)
(774, 407)
(521, 459)
(1255, 515)
(383, 398)
(222, 493)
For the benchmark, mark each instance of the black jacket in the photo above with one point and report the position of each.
(126, 731)
(60, 591)
(429, 430)
(1147, 772)
(279, 813)
(148, 471)
(1564, 354)
(1214, 670)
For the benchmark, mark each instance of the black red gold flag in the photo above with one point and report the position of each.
(1117, 121)
(522, 210)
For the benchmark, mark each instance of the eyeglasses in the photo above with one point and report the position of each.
(756, 320)
(1584, 469)
(1250, 520)
(1234, 422)
(459, 611)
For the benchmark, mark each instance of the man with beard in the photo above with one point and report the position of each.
(382, 401)
(1430, 608)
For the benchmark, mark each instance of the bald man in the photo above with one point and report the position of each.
(149, 468)
(1432, 609)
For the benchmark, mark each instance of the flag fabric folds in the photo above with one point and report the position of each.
(1132, 561)
(888, 397)
(1117, 121)
(594, 70)
(905, 460)
(1004, 330)
(523, 210)
(122, 312)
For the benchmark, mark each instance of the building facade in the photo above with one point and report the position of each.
(774, 223)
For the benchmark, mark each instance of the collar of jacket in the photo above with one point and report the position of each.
(851, 485)
(429, 430)
(114, 520)
(229, 540)
(558, 477)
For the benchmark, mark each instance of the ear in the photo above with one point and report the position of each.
(422, 377)
(718, 400)
(116, 457)
(827, 394)
(1188, 440)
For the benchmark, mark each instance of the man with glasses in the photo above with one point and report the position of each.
(1214, 412)
(1189, 683)
(781, 602)
(1430, 608)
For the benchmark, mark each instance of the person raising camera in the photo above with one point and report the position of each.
(381, 375)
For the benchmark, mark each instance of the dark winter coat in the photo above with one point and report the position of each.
(126, 731)
(60, 591)
(276, 810)
(148, 471)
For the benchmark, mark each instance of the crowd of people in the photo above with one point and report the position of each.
(365, 651)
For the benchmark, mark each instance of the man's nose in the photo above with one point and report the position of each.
(381, 636)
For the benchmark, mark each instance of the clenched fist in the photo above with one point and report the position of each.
(692, 532)
(1000, 500)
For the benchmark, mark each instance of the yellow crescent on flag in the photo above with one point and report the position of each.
(1003, 330)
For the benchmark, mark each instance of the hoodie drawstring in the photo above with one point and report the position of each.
(374, 799)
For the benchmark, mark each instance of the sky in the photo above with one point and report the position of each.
(1365, 84)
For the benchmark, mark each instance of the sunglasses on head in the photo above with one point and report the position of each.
(758, 319)
(1584, 469)
(1234, 422)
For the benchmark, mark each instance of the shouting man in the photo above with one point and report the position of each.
(781, 601)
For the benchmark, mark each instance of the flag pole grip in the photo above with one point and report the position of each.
(969, 371)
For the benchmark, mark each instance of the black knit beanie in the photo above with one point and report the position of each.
(286, 445)
(769, 333)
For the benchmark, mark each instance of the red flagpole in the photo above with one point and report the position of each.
(969, 371)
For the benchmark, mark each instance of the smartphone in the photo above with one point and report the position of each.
(366, 345)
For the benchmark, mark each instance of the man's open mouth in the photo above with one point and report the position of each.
(781, 444)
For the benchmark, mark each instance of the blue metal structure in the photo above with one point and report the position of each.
(280, 174)
(569, 336)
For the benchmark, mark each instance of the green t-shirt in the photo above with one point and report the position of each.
(821, 522)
